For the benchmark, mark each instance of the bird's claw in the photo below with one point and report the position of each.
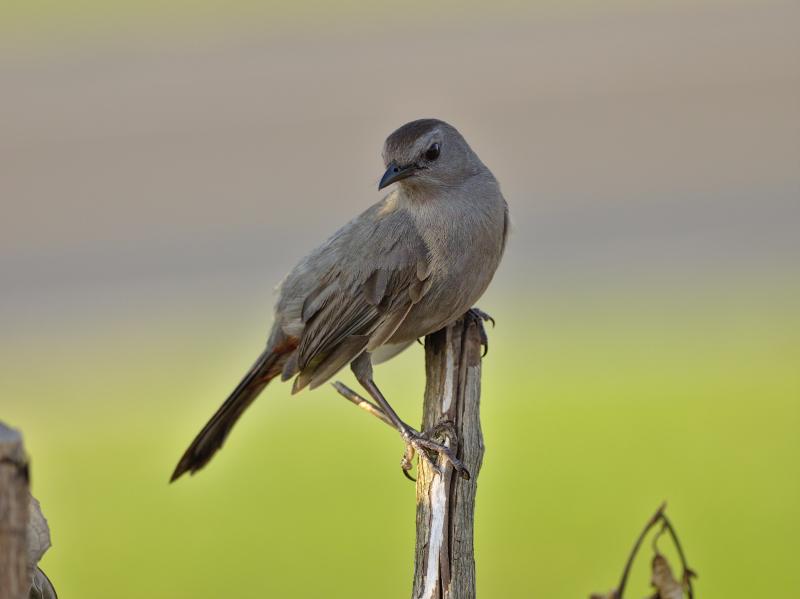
(407, 462)
(419, 444)
(478, 316)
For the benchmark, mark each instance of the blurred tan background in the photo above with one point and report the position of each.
(162, 167)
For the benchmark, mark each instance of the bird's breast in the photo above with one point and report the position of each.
(465, 246)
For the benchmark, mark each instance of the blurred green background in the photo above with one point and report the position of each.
(162, 166)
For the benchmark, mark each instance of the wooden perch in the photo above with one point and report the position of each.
(444, 564)
(24, 533)
(14, 497)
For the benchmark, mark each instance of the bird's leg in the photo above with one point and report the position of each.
(362, 403)
(370, 407)
(478, 316)
(415, 441)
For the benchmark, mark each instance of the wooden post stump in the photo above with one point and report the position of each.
(14, 498)
(444, 564)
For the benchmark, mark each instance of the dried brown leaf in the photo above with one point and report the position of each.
(663, 579)
(38, 534)
(38, 544)
(42, 588)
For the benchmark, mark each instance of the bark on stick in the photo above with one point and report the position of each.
(444, 565)
(14, 497)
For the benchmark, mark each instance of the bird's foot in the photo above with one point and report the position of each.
(420, 444)
(478, 316)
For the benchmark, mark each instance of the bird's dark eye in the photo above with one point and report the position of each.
(432, 153)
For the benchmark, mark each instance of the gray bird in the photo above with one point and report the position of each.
(406, 267)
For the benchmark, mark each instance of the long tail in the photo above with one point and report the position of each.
(210, 439)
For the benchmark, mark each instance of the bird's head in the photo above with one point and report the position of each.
(428, 153)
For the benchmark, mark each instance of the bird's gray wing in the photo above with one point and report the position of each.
(380, 269)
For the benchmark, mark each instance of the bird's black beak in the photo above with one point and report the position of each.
(396, 173)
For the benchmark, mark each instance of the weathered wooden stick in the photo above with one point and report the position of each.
(14, 497)
(444, 564)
